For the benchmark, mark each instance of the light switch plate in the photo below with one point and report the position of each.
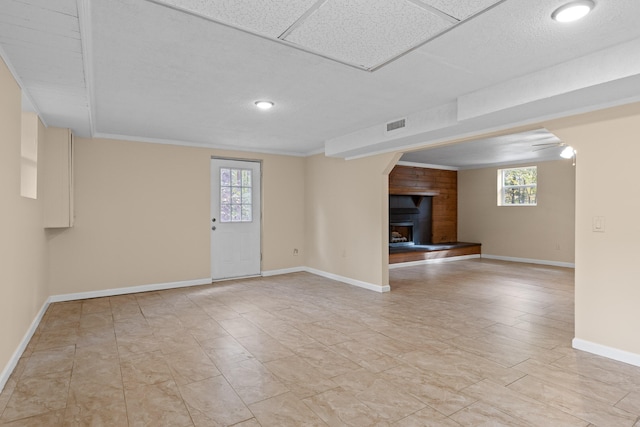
(598, 224)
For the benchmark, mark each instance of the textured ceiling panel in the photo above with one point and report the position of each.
(460, 9)
(366, 33)
(265, 17)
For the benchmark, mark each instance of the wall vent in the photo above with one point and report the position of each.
(398, 124)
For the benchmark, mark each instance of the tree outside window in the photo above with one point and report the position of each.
(518, 186)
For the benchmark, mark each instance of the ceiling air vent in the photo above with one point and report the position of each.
(398, 124)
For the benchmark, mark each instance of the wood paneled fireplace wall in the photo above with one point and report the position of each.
(442, 185)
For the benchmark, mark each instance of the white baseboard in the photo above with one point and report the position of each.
(129, 290)
(530, 261)
(605, 351)
(270, 273)
(432, 261)
(349, 281)
(13, 361)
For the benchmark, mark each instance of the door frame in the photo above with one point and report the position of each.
(260, 223)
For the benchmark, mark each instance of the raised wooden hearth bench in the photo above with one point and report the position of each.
(440, 250)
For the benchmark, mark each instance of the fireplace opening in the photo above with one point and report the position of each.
(401, 234)
(409, 220)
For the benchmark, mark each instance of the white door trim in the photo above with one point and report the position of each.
(252, 232)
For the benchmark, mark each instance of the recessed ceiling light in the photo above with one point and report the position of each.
(264, 105)
(573, 11)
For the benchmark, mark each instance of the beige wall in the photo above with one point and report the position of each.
(544, 232)
(607, 289)
(346, 212)
(142, 216)
(22, 242)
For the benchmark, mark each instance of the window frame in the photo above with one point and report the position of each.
(502, 186)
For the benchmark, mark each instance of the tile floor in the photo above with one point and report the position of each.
(465, 343)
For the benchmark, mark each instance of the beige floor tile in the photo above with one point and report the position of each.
(101, 319)
(96, 336)
(382, 396)
(57, 338)
(520, 406)
(367, 357)
(145, 369)
(225, 351)
(289, 336)
(427, 388)
(383, 343)
(264, 348)
(239, 327)
(49, 419)
(252, 381)
(337, 407)
(426, 417)
(157, 405)
(178, 340)
(630, 403)
(326, 361)
(573, 381)
(95, 402)
(190, 366)
(301, 378)
(38, 395)
(578, 405)
(483, 342)
(481, 414)
(249, 423)
(285, 411)
(605, 370)
(143, 342)
(213, 402)
(51, 360)
(322, 334)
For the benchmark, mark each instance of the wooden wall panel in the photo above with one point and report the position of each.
(442, 185)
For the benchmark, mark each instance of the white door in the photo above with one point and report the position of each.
(235, 218)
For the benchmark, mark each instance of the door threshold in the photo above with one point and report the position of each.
(226, 279)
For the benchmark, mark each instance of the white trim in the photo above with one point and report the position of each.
(432, 261)
(427, 166)
(207, 145)
(15, 358)
(530, 261)
(86, 42)
(349, 281)
(605, 351)
(270, 273)
(129, 290)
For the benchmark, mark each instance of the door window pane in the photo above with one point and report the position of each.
(235, 195)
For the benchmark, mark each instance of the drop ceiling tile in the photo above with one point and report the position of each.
(460, 9)
(265, 17)
(366, 33)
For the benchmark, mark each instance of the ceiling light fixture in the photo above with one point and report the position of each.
(573, 11)
(568, 152)
(264, 105)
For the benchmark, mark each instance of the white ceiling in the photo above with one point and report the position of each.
(137, 69)
(538, 145)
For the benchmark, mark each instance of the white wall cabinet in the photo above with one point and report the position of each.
(57, 180)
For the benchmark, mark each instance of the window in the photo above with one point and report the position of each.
(517, 186)
(235, 195)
